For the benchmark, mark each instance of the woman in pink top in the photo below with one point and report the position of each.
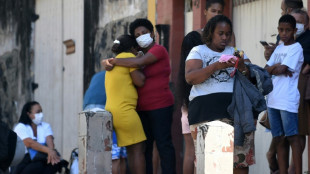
(155, 100)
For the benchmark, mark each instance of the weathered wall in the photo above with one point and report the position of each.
(104, 21)
(15, 57)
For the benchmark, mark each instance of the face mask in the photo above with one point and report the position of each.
(144, 40)
(38, 118)
(300, 29)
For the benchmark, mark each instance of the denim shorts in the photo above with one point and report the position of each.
(283, 122)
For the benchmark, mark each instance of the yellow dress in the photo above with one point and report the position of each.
(122, 99)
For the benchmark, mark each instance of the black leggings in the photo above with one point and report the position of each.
(34, 167)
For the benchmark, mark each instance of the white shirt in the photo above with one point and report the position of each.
(25, 131)
(285, 94)
(218, 82)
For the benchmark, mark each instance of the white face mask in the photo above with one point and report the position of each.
(300, 29)
(38, 118)
(144, 40)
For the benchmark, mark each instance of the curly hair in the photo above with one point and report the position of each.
(288, 19)
(210, 2)
(138, 23)
(126, 42)
(24, 117)
(209, 28)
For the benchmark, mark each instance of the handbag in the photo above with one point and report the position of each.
(264, 121)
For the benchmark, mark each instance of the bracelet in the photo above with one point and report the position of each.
(244, 72)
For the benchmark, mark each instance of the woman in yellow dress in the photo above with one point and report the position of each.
(122, 101)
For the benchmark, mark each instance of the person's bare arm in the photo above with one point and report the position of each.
(195, 74)
(52, 158)
(50, 141)
(107, 65)
(278, 69)
(30, 143)
(138, 78)
(139, 62)
(306, 69)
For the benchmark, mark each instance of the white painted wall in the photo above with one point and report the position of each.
(73, 74)
(49, 64)
(253, 22)
(60, 76)
(188, 22)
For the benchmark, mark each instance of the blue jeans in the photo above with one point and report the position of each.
(282, 122)
(157, 127)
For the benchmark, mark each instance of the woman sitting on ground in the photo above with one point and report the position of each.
(41, 156)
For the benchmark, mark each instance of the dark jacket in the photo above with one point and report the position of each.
(304, 40)
(248, 100)
(8, 140)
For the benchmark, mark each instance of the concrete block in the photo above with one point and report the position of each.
(95, 142)
(215, 148)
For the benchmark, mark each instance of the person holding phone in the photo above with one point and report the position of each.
(287, 6)
(283, 102)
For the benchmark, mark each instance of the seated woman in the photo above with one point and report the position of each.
(41, 157)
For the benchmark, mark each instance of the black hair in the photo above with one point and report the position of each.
(138, 23)
(302, 12)
(294, 4)
(191, 40)
(24, 117)
(210, 2)
(288, 19)
(209, 28)
(124, 43)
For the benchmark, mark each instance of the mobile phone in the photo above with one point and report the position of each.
(264, 43)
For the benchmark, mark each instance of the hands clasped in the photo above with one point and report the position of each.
(52, 157)
(108, 64)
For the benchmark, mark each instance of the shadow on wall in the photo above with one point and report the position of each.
(105, 37)
(15, 57)
(99, 41)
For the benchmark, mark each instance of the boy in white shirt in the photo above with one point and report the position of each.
(285, 65)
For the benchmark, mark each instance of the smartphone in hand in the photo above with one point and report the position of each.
(264, 43)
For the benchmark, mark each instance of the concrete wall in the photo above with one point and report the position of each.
(253, 22)
(16, 58)
(104, 21)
